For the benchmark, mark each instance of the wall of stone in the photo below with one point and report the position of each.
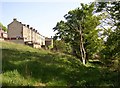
(16, 41)
(15, 29)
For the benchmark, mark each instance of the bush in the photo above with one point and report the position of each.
(61, 46)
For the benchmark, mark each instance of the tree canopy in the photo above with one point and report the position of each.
(3, 27)
(90, 34)
(80, 31)
(112, 19)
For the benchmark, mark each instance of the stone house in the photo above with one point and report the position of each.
(24, 34)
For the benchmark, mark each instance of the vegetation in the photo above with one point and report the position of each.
(61, 46)
(87, 34)
(110, 11)
(3, 27)
(25, 66)
(80, 31)
(83, 33)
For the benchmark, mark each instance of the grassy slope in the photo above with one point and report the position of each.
(23, 65)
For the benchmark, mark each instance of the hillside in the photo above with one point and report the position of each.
(26, 66)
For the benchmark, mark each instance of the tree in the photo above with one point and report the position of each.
(112, 19)
(3, 27)
(79, 24)
(112, 10)
(113, 44)
(61, 46)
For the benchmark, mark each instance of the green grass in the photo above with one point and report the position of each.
(25, 66)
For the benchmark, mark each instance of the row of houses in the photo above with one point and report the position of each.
(24, 34)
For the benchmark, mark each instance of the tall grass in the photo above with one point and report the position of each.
(25, 66)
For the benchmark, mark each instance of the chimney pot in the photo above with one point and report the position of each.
(28, 26)
(31, 28)
(14, 19)
(24, 25)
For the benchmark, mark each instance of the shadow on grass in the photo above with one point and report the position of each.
(50, 67)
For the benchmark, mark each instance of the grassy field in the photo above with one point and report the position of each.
(26, 66)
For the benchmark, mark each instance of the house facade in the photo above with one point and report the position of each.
(24, 34)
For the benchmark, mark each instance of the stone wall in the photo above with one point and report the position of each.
(16, 41)
(15, 29)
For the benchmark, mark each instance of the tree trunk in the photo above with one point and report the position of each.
(84, 61)
(84, 53)
(82, 49)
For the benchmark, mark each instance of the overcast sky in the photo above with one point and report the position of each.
(40, 14)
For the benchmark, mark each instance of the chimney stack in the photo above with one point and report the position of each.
(28, 26)
(31, 28)
(24, 25)
(14, 19)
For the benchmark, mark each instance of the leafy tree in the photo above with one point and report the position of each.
(113, 44)
(112, 9)
(113, 33)
(61, 46)
(3, 27)
(110, 13)
(79, 26)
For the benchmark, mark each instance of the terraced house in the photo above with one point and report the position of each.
(24, 34)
